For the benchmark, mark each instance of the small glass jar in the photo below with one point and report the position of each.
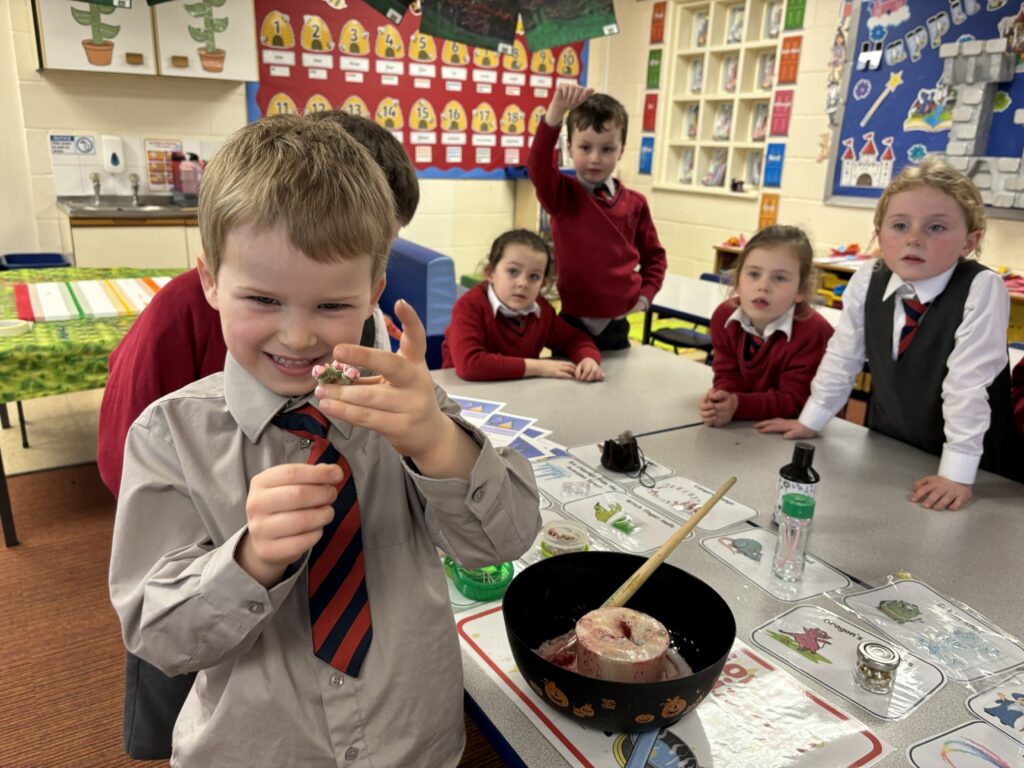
(562, 537)
(876, 667)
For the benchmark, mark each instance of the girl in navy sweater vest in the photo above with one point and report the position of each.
(500, 326)
(767, 340)
(931, 324)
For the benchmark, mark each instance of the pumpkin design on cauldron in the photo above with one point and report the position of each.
(673, 707)
(646, 717)
(585, 711)
(555, 695)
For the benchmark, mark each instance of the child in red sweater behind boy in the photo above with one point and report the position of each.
(602, 230)
(767, 340)
(500, 326)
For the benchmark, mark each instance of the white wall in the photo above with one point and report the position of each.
(459, 218)
(691, 224)
(17, 225)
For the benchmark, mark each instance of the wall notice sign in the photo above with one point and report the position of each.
(158, 163)
(69, 144)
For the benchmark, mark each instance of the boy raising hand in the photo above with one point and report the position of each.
(602, 231)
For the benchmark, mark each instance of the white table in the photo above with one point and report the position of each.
(865, 523)
(695, 301)
(865, 526)
(646, 390)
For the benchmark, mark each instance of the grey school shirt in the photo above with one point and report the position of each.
(261, 696)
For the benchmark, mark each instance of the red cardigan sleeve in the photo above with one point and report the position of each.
(653, 261)
(725, 362)
(467, 339)
(806, 348)
(157, 356)
(564, 340)
(548, 182)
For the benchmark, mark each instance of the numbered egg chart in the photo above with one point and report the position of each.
(455, 107)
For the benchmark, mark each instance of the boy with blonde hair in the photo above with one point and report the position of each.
(280, 539)
(175, 341)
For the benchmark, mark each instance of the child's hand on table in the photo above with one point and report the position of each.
(588, 369)
(550, 369)
(399, 403)
(717, 407)
(287, 509)
(791, 429)
(567, 96)
(937, 492)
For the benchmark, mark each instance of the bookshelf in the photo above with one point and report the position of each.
(723, 55)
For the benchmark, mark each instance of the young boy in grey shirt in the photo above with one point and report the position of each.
(280, 539)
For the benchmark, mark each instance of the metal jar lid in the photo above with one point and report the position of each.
(878, 656)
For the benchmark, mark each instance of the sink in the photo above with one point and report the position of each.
(120, 205)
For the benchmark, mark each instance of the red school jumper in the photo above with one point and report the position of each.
(146, 365)
(776, 381)
(486, 346)
(598, 244)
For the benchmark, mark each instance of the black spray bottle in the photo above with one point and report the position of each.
(797, 477)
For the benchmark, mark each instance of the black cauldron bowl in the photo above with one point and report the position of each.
(546, 600)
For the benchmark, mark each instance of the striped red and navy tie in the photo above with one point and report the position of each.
(751, 346)
(339, 608)
(913, 310)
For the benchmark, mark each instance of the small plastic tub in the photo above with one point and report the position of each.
(485, 584)
(562, 537)
(32, 260)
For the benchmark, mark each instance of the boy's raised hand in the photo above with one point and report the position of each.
(287, 509)
(567, 96)
(399, 403)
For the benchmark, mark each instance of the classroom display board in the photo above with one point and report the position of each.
(898, 107)
(458, 110)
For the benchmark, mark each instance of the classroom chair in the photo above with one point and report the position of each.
(688, 338)
(426, 279)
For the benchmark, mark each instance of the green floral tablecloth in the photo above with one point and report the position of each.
(61, 356)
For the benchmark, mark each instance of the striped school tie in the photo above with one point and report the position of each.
(913, 310)
(602, 193)
(751, 346)
(339, 608)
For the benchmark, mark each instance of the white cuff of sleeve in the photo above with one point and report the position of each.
(959, 467)
(815, 417)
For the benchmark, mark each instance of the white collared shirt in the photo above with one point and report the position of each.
(498, 306)
(783, 322)
(609, 182)
(978, 356)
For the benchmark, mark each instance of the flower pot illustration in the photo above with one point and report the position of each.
(98, 49)
(212, 62)
(210, 56)
(98, 55)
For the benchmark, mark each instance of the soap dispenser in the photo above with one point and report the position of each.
(112, 151)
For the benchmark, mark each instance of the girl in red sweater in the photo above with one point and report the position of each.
(500, 326)
(767, 340)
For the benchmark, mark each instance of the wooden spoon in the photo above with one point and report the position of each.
(641, 574)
